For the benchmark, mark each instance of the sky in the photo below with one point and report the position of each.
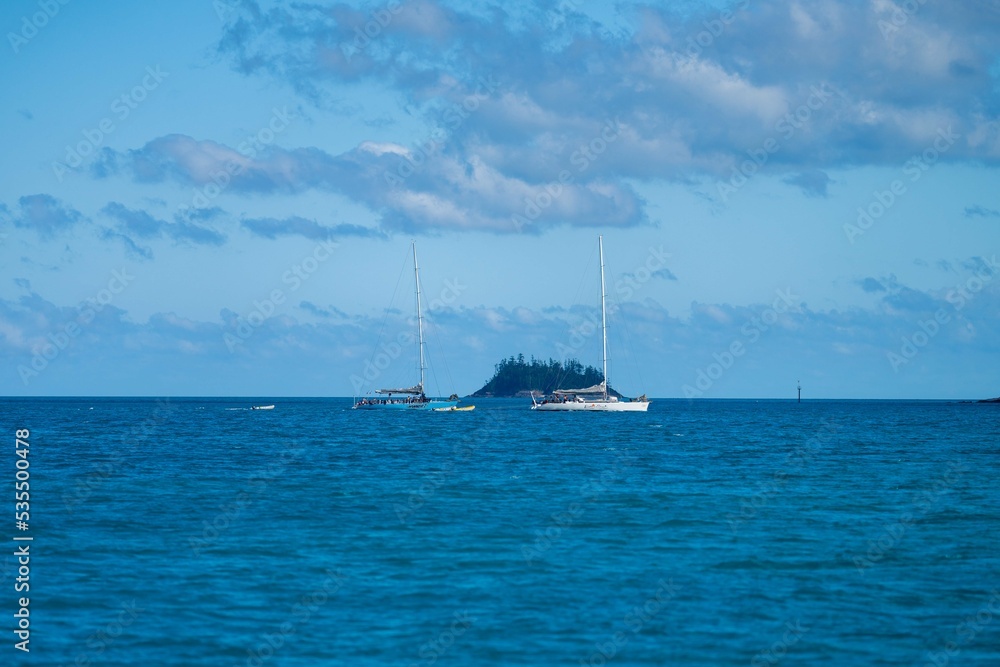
(218, 198)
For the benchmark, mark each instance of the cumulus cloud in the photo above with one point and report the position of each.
(324, 312)
(696, 87)
(872, 285)
(132, 248)
(45, 214)
(813, 183)
(412, 191)
(272, 228)
(134, 223)
(517, 97)
(981, 212)
(540, 115)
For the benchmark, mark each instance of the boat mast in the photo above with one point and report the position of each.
(420, 325)
(604, 318)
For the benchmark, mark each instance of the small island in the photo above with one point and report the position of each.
(516, 377)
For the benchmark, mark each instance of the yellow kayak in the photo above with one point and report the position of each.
(456, 409)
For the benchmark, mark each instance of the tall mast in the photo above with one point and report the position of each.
(604, 318)
(420, 323)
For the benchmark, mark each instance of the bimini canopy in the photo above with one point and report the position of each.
(415, 390)
(596, 389)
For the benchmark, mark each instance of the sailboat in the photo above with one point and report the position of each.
(409, 398)
(595, 398)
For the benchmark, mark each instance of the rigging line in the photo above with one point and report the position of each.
(434, 377)
(444, 361)
(586, 272)
(576, 301)
(447, 370)
(612, 332)
(628, 339)
(388, 309)
(630, 346)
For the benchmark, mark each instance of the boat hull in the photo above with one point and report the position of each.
(417, 405)
(593, 406)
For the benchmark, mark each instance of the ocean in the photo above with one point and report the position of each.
(193, 531)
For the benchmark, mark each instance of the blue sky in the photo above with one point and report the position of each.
(218, 198)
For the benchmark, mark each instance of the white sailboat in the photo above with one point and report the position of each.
(595, 398)
(409, 398)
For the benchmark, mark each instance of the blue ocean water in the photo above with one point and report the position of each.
(198, 532)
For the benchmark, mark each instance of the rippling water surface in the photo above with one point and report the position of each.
(198, 532)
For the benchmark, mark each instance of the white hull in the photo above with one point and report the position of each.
(593, 406)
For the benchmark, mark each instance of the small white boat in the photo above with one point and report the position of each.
(262, 407)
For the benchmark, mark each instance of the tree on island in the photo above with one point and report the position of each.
(516, 375)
